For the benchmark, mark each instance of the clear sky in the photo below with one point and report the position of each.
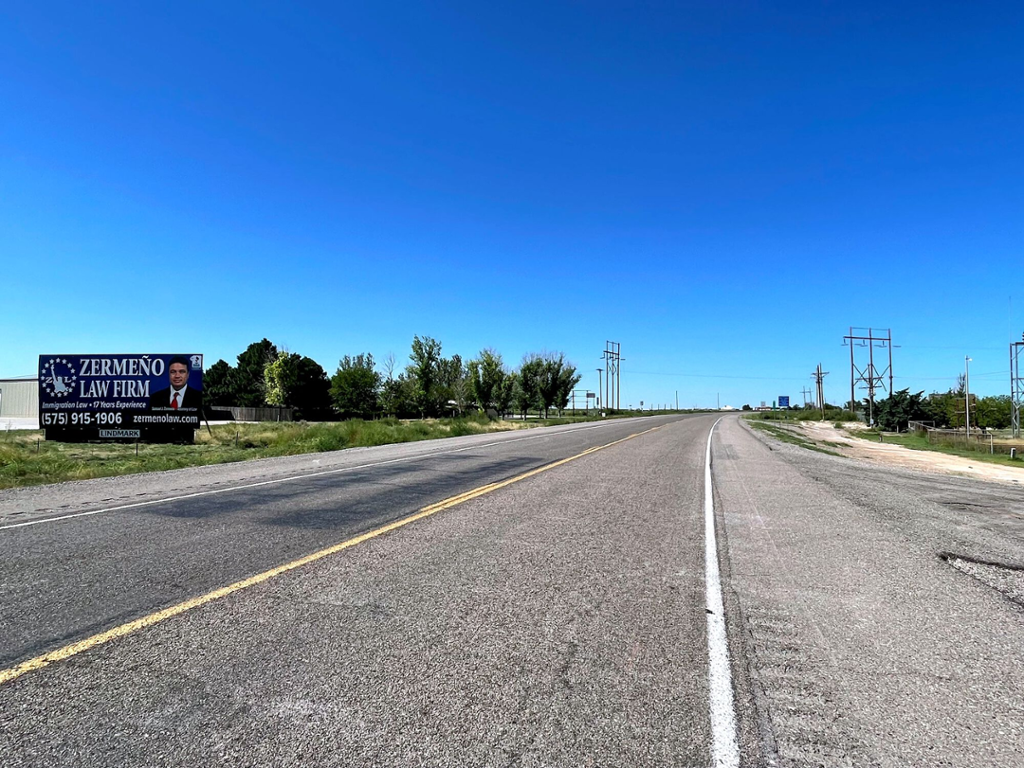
(723, 188)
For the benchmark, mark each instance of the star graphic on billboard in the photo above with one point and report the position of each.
(58, 377)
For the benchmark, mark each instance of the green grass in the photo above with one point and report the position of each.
(810, 414)
(27, 459)
(920, 443)
(786, 436)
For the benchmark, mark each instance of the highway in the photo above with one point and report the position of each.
(530, 598)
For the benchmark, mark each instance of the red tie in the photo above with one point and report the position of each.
(174, 402)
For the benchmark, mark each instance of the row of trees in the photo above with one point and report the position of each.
(430, 385)
(943, 409)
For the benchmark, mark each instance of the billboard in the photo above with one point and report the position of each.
(158, 398)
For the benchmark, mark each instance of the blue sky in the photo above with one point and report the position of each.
(723, 188)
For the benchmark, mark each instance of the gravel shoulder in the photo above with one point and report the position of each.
(870, 644)
(846, 443)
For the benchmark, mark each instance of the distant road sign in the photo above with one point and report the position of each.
(783, 401)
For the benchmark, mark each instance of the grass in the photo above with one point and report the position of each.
(918, 442)
(809, 414)
(786, 436)
(28, 459)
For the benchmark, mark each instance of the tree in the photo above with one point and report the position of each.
(423, 371)
(529, 381)
(300, 383)
(992, 412)
(555, 380)
(246, 381)
(940, 408)
(504, 393)
(311, 396)
(452, 384)
(355, 386)
(216, 384)
(390, 389)
(486, 377)
(894, 412)
(279, 379)
(566, 380)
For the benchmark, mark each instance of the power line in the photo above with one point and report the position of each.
(794, 377)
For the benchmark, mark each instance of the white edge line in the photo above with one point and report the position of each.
(290, 478)
(725, 752)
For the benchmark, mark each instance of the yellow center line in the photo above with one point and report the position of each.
(13, 673)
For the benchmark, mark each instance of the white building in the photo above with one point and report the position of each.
(19, 398)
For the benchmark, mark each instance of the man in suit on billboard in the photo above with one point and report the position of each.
(179, 396)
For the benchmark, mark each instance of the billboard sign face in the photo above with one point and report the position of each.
(783, 401)
(158, 398)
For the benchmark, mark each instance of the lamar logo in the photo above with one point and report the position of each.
(58, 377)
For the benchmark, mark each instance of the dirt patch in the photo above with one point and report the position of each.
(840, 441)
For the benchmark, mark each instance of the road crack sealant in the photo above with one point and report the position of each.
(1004, 578)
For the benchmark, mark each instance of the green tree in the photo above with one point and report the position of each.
(246, 381)
(216, 384)
(994, 412)
(896, 411)
(423, 371)
(311, 395)
(504, 393)
(529, 382)
(566, 379)
(452, 384)
(555, 380)
(355, 387)
(279, 378)
(939, 408)
(486, 378)
(300, 383)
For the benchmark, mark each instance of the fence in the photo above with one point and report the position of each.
(235, 413)
(979, 440)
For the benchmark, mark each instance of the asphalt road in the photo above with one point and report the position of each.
(556, 620)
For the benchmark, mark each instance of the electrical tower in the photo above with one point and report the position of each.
(805, 392)
(870, 376)
(1016, 385)
(613, 378)
(819, 379)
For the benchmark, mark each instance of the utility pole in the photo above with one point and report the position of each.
(871, 376)
(819, 378)
(1016, 386)
(967, 394)
(599, 401)
(805, 392)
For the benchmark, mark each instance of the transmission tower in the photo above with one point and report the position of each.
(613, 379)
(1016, 385)
(806, 393)
(870, 376)
(819, 379)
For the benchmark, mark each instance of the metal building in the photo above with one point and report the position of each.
(19, 398)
